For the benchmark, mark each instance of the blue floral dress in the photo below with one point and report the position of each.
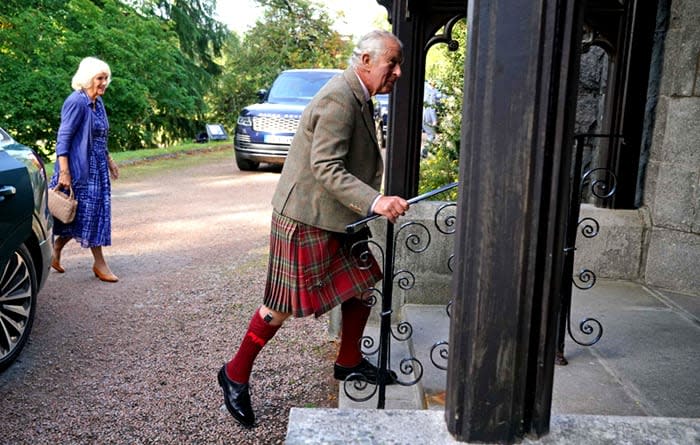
(92, 225)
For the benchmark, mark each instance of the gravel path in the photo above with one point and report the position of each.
(135, 362)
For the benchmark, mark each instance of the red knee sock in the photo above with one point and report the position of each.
(258, 334)
(354, 318)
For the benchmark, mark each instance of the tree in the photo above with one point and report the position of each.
(174, 67)
(201, 37)
(291, 34)
(29, 71)
(446, 69)
(157, 93)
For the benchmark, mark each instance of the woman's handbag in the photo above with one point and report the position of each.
(61, 205)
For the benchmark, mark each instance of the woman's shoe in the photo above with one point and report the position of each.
(109, 278)
(56, 265)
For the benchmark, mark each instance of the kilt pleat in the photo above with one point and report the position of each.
(311, 270)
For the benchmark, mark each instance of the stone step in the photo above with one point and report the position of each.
(396, 396)
(429, 324)
(637, 385)
(431, 330)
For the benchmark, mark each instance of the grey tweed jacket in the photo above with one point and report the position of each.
(334, 168)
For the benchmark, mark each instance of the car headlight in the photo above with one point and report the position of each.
(245, 121)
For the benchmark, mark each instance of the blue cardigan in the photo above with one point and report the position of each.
(75, 134)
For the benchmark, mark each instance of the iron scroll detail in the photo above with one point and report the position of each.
(601, 183)
(416, 238)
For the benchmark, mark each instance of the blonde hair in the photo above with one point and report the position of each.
(87, 70)
(372, 43)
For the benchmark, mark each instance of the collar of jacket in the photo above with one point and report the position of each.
(354, 81)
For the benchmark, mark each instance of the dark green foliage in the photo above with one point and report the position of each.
(174, 67)
(201, 37)
(292, 34)
(157, 92)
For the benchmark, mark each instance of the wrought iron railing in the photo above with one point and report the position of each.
(600, 183)
(417, 239)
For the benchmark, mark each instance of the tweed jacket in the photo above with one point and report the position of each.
(334, 168)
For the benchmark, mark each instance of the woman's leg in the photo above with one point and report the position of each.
(263, 326)
(100, 267)
(58, 245)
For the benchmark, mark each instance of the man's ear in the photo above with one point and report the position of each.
(366, 61)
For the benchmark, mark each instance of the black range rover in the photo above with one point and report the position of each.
(25, 243)
(265, 130)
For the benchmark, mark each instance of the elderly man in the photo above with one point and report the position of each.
(330, 179)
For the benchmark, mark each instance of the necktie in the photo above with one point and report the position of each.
(370, 106)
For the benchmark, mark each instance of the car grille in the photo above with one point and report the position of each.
(275, 124)
(242, 140)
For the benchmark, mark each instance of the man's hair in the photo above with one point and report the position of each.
(372, 43)
(88, 69)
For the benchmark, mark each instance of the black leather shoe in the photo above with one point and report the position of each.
(237, 399)
(363, 371)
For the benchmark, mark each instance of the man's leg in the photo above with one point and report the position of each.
(354, 319)
(350, 362)
(233, 377)
(263, 326)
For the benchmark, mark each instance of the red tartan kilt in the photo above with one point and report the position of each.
(310, 271)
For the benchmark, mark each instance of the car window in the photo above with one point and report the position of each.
(297, 87)
(383, 99)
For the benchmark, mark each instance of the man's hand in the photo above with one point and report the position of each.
(391, 206)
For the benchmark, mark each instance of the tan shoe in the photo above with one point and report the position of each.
(109, 278)
(56, 265)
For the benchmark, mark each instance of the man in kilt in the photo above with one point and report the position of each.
(330, 178)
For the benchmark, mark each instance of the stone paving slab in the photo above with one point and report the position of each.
(427, 427)
(651, 348)
(638, 384)
(431, 325)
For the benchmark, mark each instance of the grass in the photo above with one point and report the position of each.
(143, 161)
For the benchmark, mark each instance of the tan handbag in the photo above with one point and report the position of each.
(61, 205)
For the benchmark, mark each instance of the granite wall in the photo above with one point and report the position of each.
(672, 186)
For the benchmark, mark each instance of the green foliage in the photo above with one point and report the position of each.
(174, 67)
(157, 93)
(28, 44)
(446, 69)
(291, 34)
(200, 36)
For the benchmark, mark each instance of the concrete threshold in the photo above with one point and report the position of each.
(427, 427)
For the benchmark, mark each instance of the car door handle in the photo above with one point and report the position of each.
(7, 190)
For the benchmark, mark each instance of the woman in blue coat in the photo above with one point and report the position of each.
(84, 164)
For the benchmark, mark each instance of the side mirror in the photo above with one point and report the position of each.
(262, 95)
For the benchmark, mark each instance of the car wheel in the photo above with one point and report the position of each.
(18, 293)
(245, 164)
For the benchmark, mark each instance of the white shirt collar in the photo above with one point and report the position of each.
(364, 88)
